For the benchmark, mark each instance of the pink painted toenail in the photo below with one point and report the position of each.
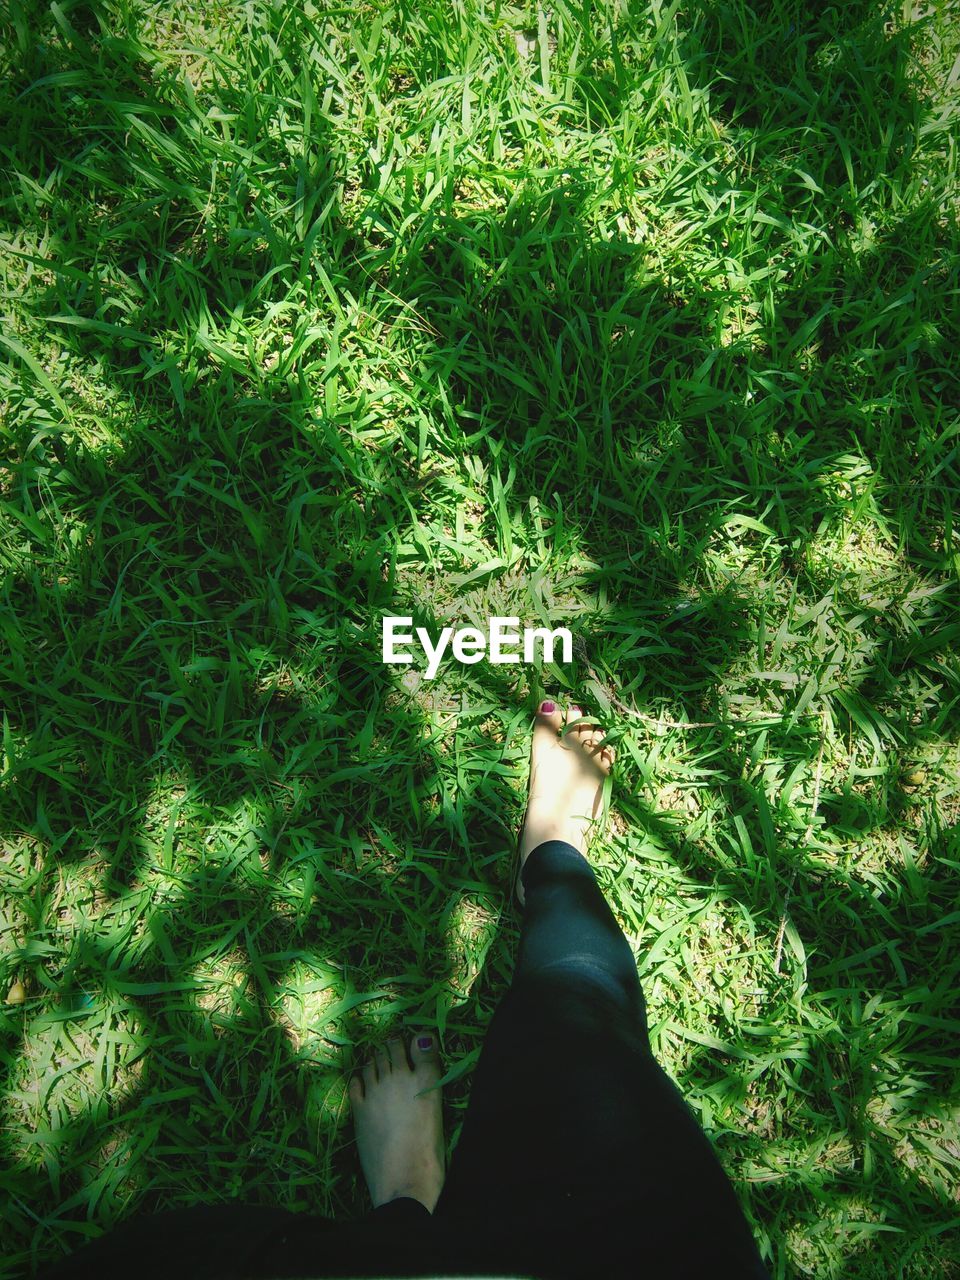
(547, 707)
(425, 1042)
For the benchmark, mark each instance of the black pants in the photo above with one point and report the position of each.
(577, 1155)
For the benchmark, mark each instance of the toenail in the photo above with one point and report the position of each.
(578, 711)
(547, 707)
(425, 1042)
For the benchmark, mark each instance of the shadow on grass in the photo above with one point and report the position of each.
(267, 534)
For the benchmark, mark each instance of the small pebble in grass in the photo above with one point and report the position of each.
(914, 777)
(17, 993)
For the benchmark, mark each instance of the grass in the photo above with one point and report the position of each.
(641, 320)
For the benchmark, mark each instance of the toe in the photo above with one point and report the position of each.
(424, 1048)
(382, 1059)
(398, 1053)
(425, 1056)
(574, 712)
(608, 755)
(549, 716)
(369, 1074)
(355, 1090)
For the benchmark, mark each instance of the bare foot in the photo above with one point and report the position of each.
(399, 1130)
(566, 781)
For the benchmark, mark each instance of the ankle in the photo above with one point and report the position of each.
(410, 1192)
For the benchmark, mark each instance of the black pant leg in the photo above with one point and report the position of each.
(399, 1238)
(249, 1242)
(577, 1150)
(567, 923)
(206, 1241)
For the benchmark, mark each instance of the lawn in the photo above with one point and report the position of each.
(637, 319)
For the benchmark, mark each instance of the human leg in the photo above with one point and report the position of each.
(199, 1241)
(250, 1242)
(576, 1145)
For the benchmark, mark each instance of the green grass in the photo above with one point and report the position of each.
(637, 319)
